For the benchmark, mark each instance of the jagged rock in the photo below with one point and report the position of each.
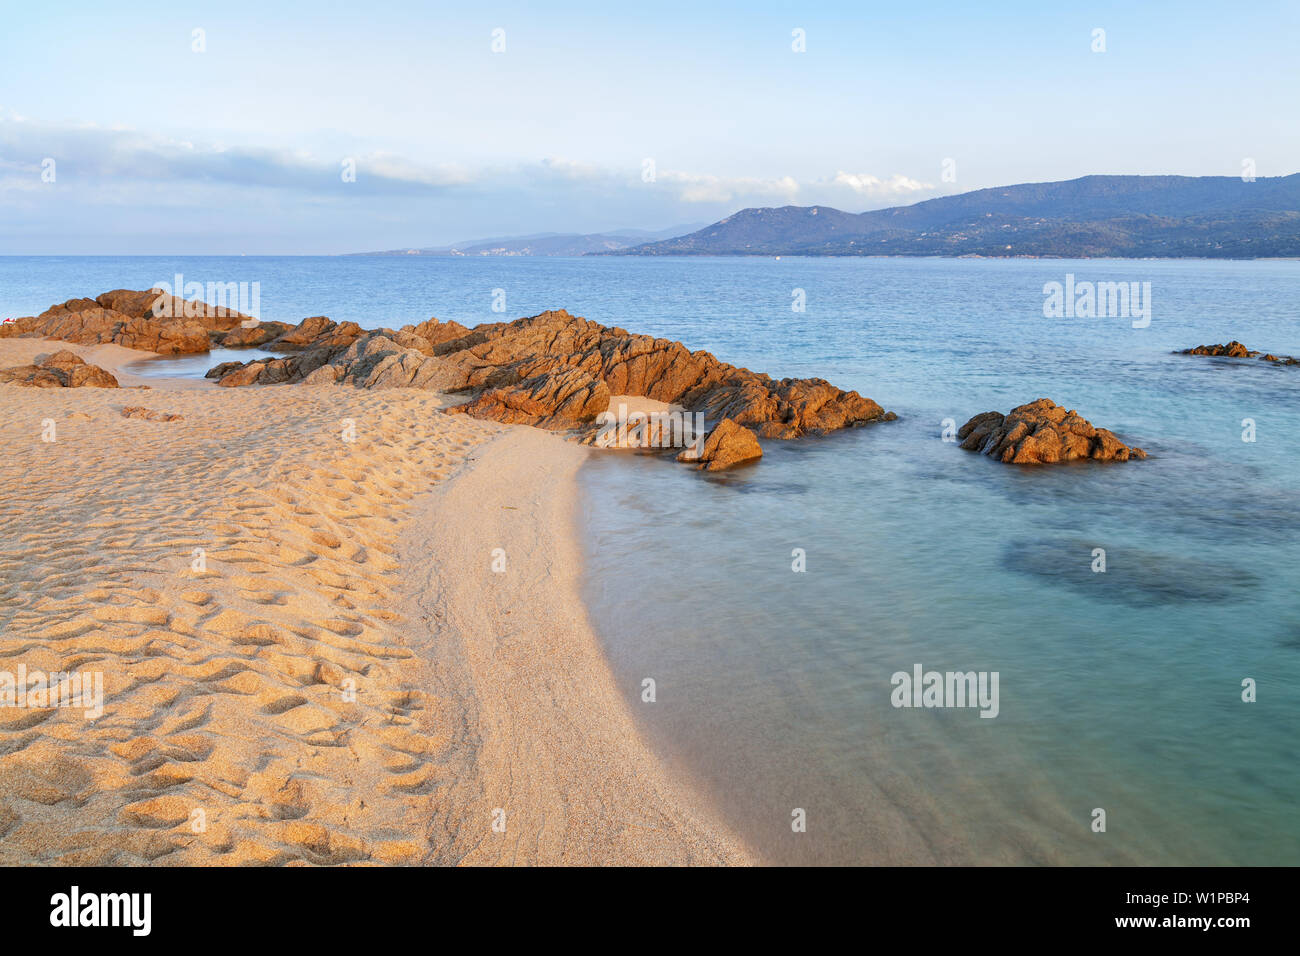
(253, 335)
(261, 372)
(556, 370)
(178, 337)
(503, 356)
(63, 369)
(553, 369)
(376, 361)
(220, 371)
(561, 397)
(372, 360)
(1235, 349)
(139, 411)
(319, 332)
(426, 335)
(152, 304)
(1042, 432)
(307, 330)
(726, 446)
(129, 319)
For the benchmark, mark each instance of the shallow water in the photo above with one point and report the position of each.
(194, 366)
(1119, 691)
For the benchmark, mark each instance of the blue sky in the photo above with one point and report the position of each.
(161, 149)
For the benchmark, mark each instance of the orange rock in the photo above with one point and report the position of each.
(727, 445)
(1042, 433)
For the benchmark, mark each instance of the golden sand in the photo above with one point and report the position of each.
(307, 654)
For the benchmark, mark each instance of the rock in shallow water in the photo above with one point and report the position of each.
(1041, 433)
(726, 446)
(557, 370)
(1235, 349)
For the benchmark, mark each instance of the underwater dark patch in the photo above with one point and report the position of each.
(1133, 576)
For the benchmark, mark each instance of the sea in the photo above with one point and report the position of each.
(1141, 620)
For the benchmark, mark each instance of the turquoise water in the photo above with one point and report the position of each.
(1119, 691)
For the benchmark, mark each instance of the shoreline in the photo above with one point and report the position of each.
(344, 680)
(559, 750)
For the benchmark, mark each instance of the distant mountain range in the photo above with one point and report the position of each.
(545, 243)
(1096, 216)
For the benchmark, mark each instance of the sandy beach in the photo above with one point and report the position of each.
(312, 650)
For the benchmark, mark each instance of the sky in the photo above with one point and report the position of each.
(125, 131)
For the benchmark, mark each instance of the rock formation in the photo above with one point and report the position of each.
(147, 320)
(253, 335)
(553, 370)
(506, 360)
(556, 370)
(726, 446)
(1042, 432)
(63, 369)
(376, 361)
(1235, 349)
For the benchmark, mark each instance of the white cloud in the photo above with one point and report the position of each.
(873, 187)
(703, 188)
(94, 153)
(114, 183)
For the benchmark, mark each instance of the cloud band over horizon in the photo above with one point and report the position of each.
(197, 196)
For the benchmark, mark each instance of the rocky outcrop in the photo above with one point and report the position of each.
(562, 396)
(376, 361)
(557, 370)
(261, 372)
(319, 332)
(514, 362)
(553, 370)
(426, 335)
(220, 371)
(151, 304)
(139, 411)
(147, 320)
(63, 369)
(726, 446)
(1040, 433)
(370, 360)
(1235, 349)
(250, 336)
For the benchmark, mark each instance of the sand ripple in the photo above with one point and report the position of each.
(232, 576)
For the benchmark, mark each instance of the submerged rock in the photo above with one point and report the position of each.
(1132, 576)
(63, 369)
(726, 446)
(1042, 432)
